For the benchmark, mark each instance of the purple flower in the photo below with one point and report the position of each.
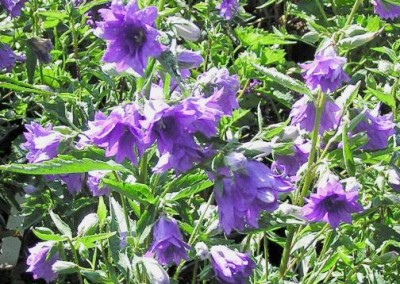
(243, 193)
(227, 8)
(168, 246)
(120, 133)
(231, 266)
(386, 10)
(72, 181)
(394, 179)
(219, 79)
(188, 59)
(13, 7)
(292, 163)
(38, 265)
(7, 57)
(42, 143)
(303, 114)
(326, 71)
(377, 127)
(93, 182)
(331, 203)
(130, 35)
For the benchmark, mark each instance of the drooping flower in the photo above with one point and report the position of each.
(7, 57)
(130, 35)
(326, 71)
(377, 127)
(242, 194)
(303, 114)
(228, 8)
(41, 47)
(386, 10)
(42, 143)
(332, 204)
(93, 182)
(292, 163)
(119, 133)
(231, 266)
(394, 179)
(168, 246)
(219, 79)
(13, 7)
(38, 265)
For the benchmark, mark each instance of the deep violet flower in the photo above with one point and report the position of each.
(231, 266)
(386, 10)
(93, 182)
(130, 35)
(326, 71)
(42, 143)
(119, 133)
(72, 181)
(377, 127)
(292, 163)
(168, 246)
(38, 265)
(8, 57)
(303, 114)
(13, 7)
(243, 193)
(228, 8)
(216, 79)
(332, 204)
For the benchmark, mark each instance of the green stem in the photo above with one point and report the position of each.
(110, 268)
(76, 259)
(125, 208)
(286, 252)
(350, 19)
(321, 10)
(196, 266)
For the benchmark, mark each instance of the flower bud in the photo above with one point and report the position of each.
(185, 28)
(235, 161)
(259, 146)
(64, 267)
(88, 224)
(155, 272)
(201, 250)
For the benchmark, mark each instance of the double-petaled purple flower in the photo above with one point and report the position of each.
(39, 265)
(93, 182)
(120, 133)
(228, 8)
(130, 35)
(293, 162)
(386, 10)
(7, 57)
(231, 266)
(13, 7)
(168, 246)
(243, 190)
(332, 204)
(377, 127)
(42, 143)
(326, 71)
(303, 114)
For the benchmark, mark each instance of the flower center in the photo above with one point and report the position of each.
(136, 35)
(330, 203)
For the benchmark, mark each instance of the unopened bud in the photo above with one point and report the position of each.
(88, 224)
(235, 161)
(185, 28)
(201, 250)
(64, 267)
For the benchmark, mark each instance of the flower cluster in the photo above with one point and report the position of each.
(243, 190)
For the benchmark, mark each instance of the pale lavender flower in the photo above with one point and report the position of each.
(230, 266)
(38, 265)
(8, 57)
(42, 143)
(386, 10)
(168, 246)
(130, 35)
(13, 7)
(331, 204)
(394, 179)
(293, 162)
(326, 71)
(228, 8)
(377, 127)
(93, 182)
(303, 114)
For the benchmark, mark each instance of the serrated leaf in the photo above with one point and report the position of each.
(60, 224)
(136, 191)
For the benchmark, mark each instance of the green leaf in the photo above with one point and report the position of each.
(250, 36)
(31, 62)
(60, 224)
(136, 191)
(347, 153)
(384, 98)
(88, 241)
(63, 164)
(102, 211)
(284, 80)
(331, 262)
(46, 234)
(193, 189)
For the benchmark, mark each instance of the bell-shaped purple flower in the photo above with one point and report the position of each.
(72, 181)
(231, 266)
(130, 35)
(119, 133)
(331, 204)
(243, 193)
(377, 127)
(228, 8)
(168, 246)
(42, 143)
(303, 114)
(8, 57)
(293, 162)
(13, 7)
(326, 71)
(93, 182)
(386, 10)
(38, 265)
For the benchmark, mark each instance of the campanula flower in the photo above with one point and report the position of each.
(93, 182)
(13, 7)
(38, 265)
(228, 8)
(7, 57)
(293, 162)
(386, 10)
